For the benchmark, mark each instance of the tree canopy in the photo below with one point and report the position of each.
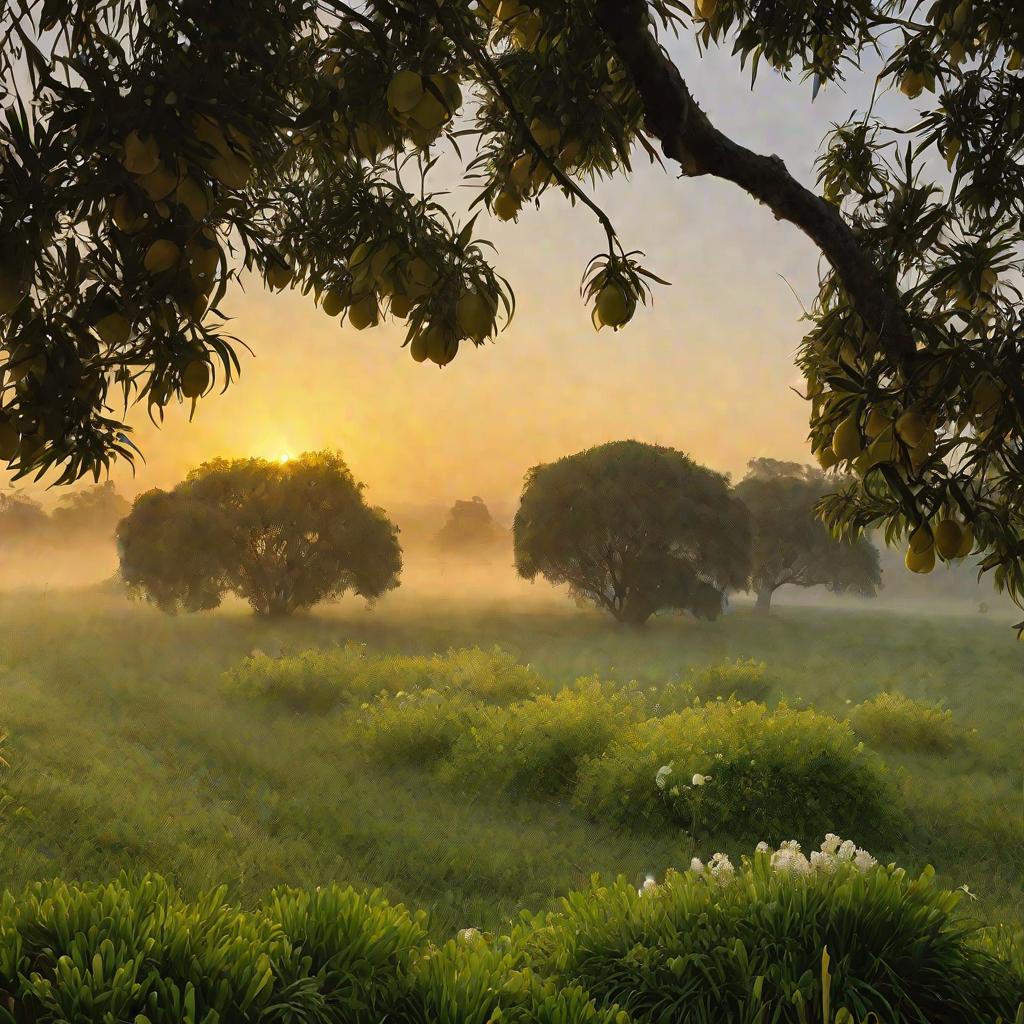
(150, 151)
(282, 537)
(633, 528)
(469, 527)
(791, 544)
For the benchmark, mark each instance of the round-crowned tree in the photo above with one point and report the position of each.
(633, 528)
(791, 544)
(282, 536)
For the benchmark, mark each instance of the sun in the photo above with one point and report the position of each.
(284, 457)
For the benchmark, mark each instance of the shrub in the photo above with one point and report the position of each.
(706, 946)
(740, 767)
(319, 680)
(766, 940)
(536, 746)
(892, 720)
(743, 679)
(419, 727)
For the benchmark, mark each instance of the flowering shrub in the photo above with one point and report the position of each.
(781, 937)
(892, 720)
(738, 766)
(536, 746)
(762, 941)
(418, 727)
(317, 681)
(743, 679)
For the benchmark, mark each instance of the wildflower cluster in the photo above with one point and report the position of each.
(788, 859)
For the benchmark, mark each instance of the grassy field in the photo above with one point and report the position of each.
(126, 754)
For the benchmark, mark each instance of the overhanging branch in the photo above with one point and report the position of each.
(688, 137)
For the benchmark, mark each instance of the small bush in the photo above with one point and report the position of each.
(743, 679)
(766, 940)
(739, 767)
(418, 727)
(536, 746)
(317, 681)
(894, 721)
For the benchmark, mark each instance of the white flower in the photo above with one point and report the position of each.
(847, 850)
(649, 885)
(470, 935)
(661, 779)
(831, 844)
(763, 847)
(699, 780)
(721, 867)
(864, 860)
(674, 791)
(697, 865)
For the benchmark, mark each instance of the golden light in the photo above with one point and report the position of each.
(284, 457)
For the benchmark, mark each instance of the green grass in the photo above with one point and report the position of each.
(126, 752)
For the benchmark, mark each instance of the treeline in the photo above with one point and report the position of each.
(631, 528)
(80, 516)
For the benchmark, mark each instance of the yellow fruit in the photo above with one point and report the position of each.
(209, 133)
(126, 216)
(846, 440)
(418, 347)
(912, 84)
(196, 379)
(333, 302)
(522, 172)
(383, 259)
(948, 538)
(951, 150)
(193, 197)
(570, 155)
(141, 155)
(10, 441)
(921, 539)
(430, 113)
(162, 255)
(826, 458)
(401, 306)
(114, 329)
(405, 91)
(546, 135)
(231, 170)
(442, 348)
(159, 183)
(920, 561)
(614, 306)
(882, 449)
(528, 30)
(705, 9)
(474, 316)
(363, 312)
(966, 541)
(422, 274)
(203, 259)
(877, 423)
(279, 275)
(506, 205)
(912, 428)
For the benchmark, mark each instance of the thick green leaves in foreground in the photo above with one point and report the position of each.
(151, 152)
(281, 536)
(633, 528)
(773, 939)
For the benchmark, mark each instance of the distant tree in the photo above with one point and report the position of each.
(21, 519)
(283, 537)
(633, 528)
(94, 512)
(791, 544)
(469, 526)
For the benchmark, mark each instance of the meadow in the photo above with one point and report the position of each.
(127, 753)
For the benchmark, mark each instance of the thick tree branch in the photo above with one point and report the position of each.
(688, 137)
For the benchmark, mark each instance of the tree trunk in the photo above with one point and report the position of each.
(634, 614)
(764, 601)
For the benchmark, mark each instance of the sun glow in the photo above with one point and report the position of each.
(284, 457)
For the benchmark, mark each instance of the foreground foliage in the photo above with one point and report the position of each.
(767, 942)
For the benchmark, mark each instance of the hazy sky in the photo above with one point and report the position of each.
(707, 370)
